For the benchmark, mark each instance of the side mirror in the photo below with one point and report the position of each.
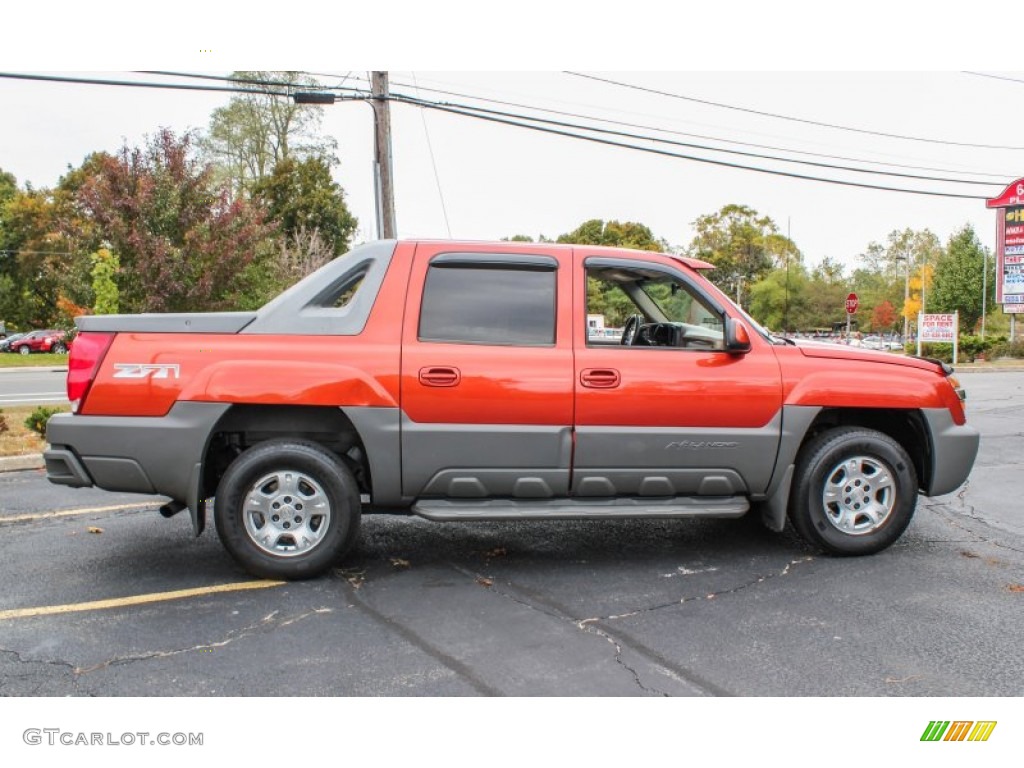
(737, 338)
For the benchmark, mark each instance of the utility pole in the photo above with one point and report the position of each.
(383, 172)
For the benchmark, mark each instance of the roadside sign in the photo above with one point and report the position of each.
(944, 329)
(851, 304)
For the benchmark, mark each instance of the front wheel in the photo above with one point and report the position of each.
(287, 509)
(855, 491)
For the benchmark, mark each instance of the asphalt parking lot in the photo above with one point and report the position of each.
(104, 597)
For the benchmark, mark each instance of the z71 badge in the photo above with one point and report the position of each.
(146, 371)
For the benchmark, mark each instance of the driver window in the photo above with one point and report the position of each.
(639, 307)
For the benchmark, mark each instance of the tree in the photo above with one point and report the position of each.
(626, 234)
(183, 243)
(883, 316)
(257, 130)
(958, 278)
(741, 244)
(605, 299)
(104, 283)
(779, 300)
(301, 195)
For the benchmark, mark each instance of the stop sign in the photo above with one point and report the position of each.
(851, 304)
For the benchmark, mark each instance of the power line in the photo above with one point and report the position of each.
(694, 135)
(690, 145)
(788, 117)
(666, 153)
(433, 162)
(142, 84)
(251, 81)
(994, 77)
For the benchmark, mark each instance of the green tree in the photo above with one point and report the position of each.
(301, 195)
(606, 299)
(959, 279)
(626, 234)
(257, 130)
(779, 300)
(741, 244)
(104, 282)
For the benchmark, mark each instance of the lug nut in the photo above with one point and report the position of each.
(275, 518)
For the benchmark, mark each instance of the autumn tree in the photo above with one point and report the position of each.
(182, 242)
(883, 316)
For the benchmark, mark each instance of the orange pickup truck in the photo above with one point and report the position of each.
(462, 381)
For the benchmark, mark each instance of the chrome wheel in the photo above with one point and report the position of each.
(286, 513)
(859, 495)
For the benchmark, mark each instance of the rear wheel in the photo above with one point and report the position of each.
(287, 509)
(855, 491)
(24, 349)
(59, 349)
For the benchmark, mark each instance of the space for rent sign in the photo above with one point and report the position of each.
(941, 328)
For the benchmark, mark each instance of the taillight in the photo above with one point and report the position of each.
(86, 355)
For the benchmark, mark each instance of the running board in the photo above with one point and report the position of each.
(447, 510)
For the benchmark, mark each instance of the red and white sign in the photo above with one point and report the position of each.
(851, 304)
(938, 328)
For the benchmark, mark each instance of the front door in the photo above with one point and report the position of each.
(662, 409)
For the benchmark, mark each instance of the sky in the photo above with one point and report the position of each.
(469, 179)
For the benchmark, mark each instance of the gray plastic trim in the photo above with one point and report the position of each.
(64, 468)
(193, 322)
(381, 433)
(299, 311)
(165, 449)
(656, 481)
(484, 452)
(659, 451)
(954, 449)
(444, 510)
(796, 420)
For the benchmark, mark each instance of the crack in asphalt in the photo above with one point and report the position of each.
(589, 626)
(267, 624)
(62, 666)
(553, 614)
(946, 512)
(711, 596)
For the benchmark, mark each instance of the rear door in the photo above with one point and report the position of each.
(670, 411)
(486, 382)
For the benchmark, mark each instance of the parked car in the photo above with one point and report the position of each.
(5, 344)
(50, 340)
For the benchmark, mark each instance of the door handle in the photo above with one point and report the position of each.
(440, 376)
(600, 378)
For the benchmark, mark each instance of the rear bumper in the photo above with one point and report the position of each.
(158, 455)
(954, 448)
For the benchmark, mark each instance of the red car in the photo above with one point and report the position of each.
(41, 341)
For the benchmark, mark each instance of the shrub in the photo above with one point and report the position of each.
(1004, 348)
(38, 418)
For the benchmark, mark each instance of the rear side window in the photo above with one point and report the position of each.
(489, 303)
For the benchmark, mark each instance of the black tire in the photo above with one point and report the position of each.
(316, 520)
(59, 349)
(24, 350)
(854, 492)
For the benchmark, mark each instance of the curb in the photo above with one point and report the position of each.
(34, 369)
(17, 463)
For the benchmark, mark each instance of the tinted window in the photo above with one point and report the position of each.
(488, 304)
